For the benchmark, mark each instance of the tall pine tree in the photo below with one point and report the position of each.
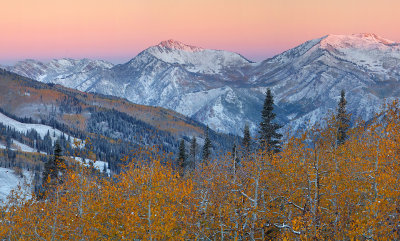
(182, 157)
(193, 153)
(246, 143)
(269, 137)
(53, 169)
(342, 119)
(206, 147)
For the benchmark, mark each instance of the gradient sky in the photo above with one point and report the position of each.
(117, 30)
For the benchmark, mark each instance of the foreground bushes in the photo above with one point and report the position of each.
(313, 189)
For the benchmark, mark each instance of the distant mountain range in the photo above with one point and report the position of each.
(225, 90)
(113, 125)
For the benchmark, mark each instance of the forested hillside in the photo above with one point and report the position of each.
(114, 126)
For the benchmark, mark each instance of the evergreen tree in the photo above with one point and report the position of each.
(269, 137)
(192, 153)
(47, 143)
(343, 119)
(53, 168)
(60, 163)
(246, 143)
(182, 157)
(206, 147)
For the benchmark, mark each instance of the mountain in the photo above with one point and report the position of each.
(225, 90)
(193, 81)
(114, 126)
(68, 72)
(307, 80)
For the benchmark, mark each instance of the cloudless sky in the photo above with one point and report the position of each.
(117, 30)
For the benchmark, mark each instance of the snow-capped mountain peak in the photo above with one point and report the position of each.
(176, 45)
(193, 59)
(360, 41)
(368, 51)
(374, 37)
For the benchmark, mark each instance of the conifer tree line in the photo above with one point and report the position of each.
(187, 162)
(320, 185)
(269, 138)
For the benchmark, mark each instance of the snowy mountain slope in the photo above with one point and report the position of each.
(367, 51)
(165, 75)
(225, 90)
(195, 59)
(80, 114)
(171, 74)
(68, 72)
(307, 80)
(42, 130)
(18, 146)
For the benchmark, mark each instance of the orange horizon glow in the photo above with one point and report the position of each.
(118, 30)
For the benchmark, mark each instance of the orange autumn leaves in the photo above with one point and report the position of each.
(313, 189)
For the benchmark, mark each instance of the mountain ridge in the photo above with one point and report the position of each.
(225, 90)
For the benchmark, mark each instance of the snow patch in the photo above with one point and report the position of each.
(99, 165)
(41, 129)
(10, 181)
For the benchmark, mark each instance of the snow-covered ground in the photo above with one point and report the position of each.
(23, 127)
(10, 181)
(22, 147)
(18, 146)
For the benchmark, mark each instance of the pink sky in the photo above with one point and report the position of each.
(118, 30)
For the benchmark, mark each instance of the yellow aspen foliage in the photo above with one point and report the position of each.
(315, 189)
